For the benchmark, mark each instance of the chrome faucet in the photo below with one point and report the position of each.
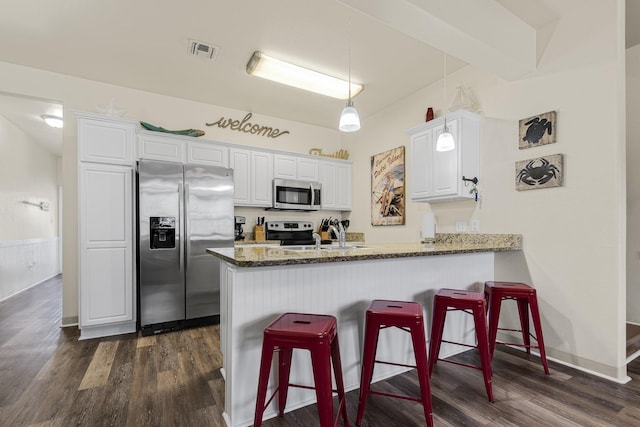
(342, 235)
(318, 239)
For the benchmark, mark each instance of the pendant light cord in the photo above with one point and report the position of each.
(444, 100)
(349, 40)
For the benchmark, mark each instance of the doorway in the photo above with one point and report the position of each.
(30, 192)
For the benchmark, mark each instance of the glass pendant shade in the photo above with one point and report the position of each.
(349, 119)
(445, 141)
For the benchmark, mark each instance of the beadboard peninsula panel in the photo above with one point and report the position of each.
(255, 296)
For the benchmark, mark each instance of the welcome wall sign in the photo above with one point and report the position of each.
(246, 126)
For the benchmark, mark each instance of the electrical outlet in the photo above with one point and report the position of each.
(461, 226)
(475, 225)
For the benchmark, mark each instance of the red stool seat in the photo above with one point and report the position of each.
(316, 333)
(526, 298)
(407, 316)
(469, 302)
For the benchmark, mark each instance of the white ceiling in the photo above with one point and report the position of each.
(25, 114)
(142, 44)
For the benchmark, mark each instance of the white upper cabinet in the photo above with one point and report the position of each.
(252, 177)
(161, 147)
(344, 184)
(205, 153)
(181, 149)
(103, 139)
(293, 167)
(336, 180)
(437, 176)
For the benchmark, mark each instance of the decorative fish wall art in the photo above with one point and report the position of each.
(186, 132)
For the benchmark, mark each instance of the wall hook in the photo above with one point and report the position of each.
(474, 180)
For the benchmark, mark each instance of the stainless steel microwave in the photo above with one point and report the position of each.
(296, 195)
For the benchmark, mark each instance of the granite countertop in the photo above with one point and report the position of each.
(445, 244)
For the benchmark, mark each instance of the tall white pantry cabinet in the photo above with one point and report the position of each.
(106, 225)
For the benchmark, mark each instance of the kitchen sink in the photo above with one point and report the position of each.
(324, 248)
(299, 248)
(346, 248)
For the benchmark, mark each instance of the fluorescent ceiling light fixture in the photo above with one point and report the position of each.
(53, 121)
(289, 74)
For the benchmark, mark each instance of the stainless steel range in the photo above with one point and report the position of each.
(291, 232)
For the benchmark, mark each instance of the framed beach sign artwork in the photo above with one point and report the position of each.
(387, 188)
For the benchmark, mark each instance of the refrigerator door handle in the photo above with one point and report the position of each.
(187, 229)
(180, 225)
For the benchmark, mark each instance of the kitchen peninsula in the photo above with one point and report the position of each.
(260, 282)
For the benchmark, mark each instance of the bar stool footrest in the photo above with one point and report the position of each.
(395, 364)
(459, 343)
(453, 362)
(396, 396)
(514, 344)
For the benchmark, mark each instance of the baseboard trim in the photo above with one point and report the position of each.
(624, 380)
(89, 332)
(29, 287)
(69, 321)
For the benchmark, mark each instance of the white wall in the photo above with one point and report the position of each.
(633, 184)
(573, 237)
(172, 113)
(28, 235)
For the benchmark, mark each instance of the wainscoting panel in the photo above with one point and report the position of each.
(25, 263)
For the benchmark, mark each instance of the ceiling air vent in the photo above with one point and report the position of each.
(203, 50)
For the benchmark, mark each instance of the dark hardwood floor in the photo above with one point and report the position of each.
(49, 378)
(633, 339)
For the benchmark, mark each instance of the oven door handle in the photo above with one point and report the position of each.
(313, 196)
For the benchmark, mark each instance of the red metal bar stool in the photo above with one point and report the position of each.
(318, 334)
(470, 302)
(408, 317)
(526, 298)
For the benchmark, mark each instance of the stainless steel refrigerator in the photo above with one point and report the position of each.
(182, 210)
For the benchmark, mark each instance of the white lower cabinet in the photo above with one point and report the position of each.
(252, 177)
(106, 283)
(106, 250)
(336, 180)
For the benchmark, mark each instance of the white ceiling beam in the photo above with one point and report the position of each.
(479, 32)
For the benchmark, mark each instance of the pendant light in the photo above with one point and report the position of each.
(445, 139)
(349, 119)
